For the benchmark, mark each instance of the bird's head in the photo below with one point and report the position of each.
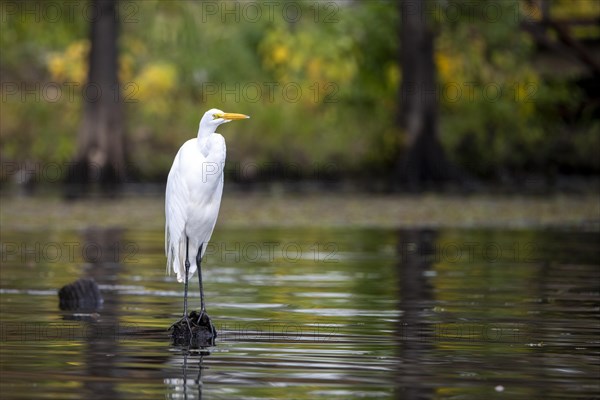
(215, 117)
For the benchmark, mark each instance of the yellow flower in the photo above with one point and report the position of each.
(280, 54)
(393, 75)
(56, 65)
(444, 65)
(154, 83)
(125, 68)
(71, 64)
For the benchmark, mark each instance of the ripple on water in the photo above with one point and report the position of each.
(381, 321)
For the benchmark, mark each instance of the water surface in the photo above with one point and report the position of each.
(308, 313)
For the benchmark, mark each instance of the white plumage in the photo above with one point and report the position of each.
(193, 194)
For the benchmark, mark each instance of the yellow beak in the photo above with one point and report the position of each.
(233, 116)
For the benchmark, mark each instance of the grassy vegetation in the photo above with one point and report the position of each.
(315, 210)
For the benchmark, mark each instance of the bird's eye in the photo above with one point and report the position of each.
(215, 116)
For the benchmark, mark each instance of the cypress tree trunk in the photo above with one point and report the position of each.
(100, 155)
(421, 158)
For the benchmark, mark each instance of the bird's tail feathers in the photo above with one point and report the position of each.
(176, 260)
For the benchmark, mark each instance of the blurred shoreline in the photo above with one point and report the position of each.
(280, 208)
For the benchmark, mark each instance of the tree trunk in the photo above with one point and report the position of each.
(421, 157)
(100, 156)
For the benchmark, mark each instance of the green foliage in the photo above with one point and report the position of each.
(320, 80)
(498, 110)
(29, 128)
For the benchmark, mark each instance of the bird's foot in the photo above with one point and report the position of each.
(177, 325)
(204, 319)
(195, 329)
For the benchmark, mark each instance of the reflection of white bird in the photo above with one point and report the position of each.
(193, 197)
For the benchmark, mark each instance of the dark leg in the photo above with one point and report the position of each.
(187, 271)
(199, 265)
(202, 305)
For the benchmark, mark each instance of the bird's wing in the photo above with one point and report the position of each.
(219, 151)
(176, 202)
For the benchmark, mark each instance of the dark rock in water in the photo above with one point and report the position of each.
(194, 331)
(81, 295)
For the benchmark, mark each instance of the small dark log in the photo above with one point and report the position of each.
(198, 334)
(81, 295)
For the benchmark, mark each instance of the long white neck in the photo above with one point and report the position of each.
(204, 131)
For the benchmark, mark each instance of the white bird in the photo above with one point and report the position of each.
(193, 198)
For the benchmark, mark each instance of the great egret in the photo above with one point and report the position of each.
(192, 200)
